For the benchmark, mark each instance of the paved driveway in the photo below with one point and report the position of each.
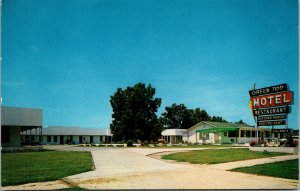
(131, 168)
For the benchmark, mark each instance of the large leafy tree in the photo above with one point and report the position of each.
(217, 119)
(199, 115)
(134, 114)
(176, 117)
(180, 117)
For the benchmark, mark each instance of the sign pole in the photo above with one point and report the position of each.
(272, 132)
(286, 123)
(257, 134)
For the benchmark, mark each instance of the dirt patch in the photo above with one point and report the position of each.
(160, 154)
(53, 185)
(96, 181)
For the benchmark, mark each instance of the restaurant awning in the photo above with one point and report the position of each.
(220, 129)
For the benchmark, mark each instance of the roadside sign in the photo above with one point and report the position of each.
(271, 111)
(270, 117)
(269, 90)
(271, 123)
(284, 98)
(270, 105)
(281, 130)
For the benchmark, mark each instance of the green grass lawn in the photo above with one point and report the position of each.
(284, 169)
(191, 146)
(25, 167)
(214, 156)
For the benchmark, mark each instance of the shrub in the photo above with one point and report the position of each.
(129, 143)
(145, 143)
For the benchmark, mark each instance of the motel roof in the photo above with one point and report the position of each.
(64, 130)
(22, 117)
(211, 124)
(212, 127)
(222, 127)
(61, 130)
(225, 124)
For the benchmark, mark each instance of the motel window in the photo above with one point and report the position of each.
(258, 133)
(232, 134)
(242, 133)
(69, 139)
(248, 133)
(268, 134)
(253, 133)
(101, 138)
(55, 139)
(32, 137)
(5, 135)
(204, 135)
(48, 139)
(26, 137)
(225, 134)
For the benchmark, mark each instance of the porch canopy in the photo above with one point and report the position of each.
(217, 129)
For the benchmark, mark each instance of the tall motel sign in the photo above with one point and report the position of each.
(270, 106)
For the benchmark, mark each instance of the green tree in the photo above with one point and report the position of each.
(200, 115)
(176, 117)
(217, 119)
(240, 122)
(134, 114)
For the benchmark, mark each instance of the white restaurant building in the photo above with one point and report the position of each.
(207, 132)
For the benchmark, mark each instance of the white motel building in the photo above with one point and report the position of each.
(218, 133)
(70, 135)
(24, 126)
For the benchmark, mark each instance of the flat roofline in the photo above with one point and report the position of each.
(16, 107)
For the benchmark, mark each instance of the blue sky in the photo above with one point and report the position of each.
(68, 57)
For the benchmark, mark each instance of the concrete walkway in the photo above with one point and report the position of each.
(131, 168)
(237, 164)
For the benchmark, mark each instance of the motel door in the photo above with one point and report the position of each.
(262, 136)
(61, 139)
(216, 137)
